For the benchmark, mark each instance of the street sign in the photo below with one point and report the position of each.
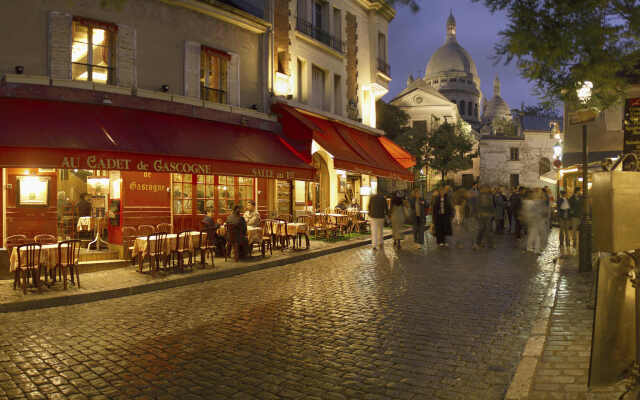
(583, 116)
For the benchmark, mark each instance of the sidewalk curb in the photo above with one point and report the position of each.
(80, 298)
(522, 381)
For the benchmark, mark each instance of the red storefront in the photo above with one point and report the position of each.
(138, 167)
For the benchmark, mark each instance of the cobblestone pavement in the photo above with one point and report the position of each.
(414, 324)
(563, 369)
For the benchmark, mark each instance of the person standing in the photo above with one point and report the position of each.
(459, 201)
(84, 206)
(377, 213)
(441, 214)
(418, 216)
(534, 213)
(576, 205)
(500, 203)
(515, 205)
(484, 212)
(564, 218)
(398, 216)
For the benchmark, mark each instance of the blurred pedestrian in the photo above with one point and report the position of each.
(515, 205)
(500, 205)
(485, 211)
(441, 214)
(564, 219)
(459, 200)
(418, 217)
(576, 203)
(377, 213)
(398, 217)
(534, 213)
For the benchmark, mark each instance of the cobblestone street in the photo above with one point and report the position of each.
(415, 324)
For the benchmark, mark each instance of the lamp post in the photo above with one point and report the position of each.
(584, 94)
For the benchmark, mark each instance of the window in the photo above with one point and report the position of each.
(226, 194)
(514, 180)
(337, 24)
(204, 192)
(317, 87)
(382, 47)
(91, 51)
(337, 94)
(462, 107)
(544, 166)
(469, 109)
(475, 110)
(213, 75)
(182, 193)
(514, 154)
(300, 80)
(302, 9)
(421, 125)
(320, 20)
(245, 190)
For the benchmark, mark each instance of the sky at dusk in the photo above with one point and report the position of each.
(413, 38)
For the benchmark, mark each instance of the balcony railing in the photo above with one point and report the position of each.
(213, 95)
(318, 34)
(384, 67)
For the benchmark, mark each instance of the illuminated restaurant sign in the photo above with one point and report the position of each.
(78, 159)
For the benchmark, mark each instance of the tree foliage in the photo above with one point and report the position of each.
(541, 110)
(449, 149)
(391, 119)
(557, 44)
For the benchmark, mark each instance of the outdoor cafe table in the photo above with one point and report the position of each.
(293, 228)
(254, 233)
(141, 244)
(48, 256)
(88, 223)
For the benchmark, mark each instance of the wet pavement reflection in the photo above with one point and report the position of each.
(410, 324)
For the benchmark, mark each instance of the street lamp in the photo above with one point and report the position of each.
(584, 94)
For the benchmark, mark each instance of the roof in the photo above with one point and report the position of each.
(420, 84)
(451, 57)
(539, 123)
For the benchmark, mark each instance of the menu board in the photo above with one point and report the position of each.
(632, 126)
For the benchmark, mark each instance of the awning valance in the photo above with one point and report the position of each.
(60, 134)
(352, 149)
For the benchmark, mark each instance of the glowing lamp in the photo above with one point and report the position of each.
(282, 84)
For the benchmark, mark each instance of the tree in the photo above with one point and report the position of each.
(558, 44)
(391, 119)
(541, 110)
(414, 141)
(448, 149)
(504, 127)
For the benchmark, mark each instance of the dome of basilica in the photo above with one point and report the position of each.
(451, 57)
(496, 107)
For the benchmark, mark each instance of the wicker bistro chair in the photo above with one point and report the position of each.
(182, 249)
(285, 217)
(267, 237)
(156, 243)
(164, 228)
(29, 264)
(129, 234)
(146, 230)
(304, 219)
(15, 241)
(206, 245)
(71, 251)
(283, 233)
(45, 238)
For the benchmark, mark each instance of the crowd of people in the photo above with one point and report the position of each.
(483, 211)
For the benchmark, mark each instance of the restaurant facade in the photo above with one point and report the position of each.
(97, 135)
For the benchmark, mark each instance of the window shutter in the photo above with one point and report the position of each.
(192, 69)
(59, 45)
(234, 80)
(126, 56)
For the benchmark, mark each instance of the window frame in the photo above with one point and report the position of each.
(111, 31)
(514, 151)
(207, 54)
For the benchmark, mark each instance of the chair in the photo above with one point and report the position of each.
(283, 233)
(15, 241)
(303, 219)
(285, 217)
(206, 244)
(146, 230)
(129, 234)
(29, 264)
(267, 237)
(164, 228)
(232, 242)
(182, 248)
(45, 238)
(70, 260)
(156, 243)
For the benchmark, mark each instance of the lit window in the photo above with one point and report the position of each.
(213, 75)
(91, 52)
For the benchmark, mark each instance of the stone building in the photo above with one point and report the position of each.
(448, 92)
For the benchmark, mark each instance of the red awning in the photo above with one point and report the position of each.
(398, 153)
(60, 134)
(352, 149)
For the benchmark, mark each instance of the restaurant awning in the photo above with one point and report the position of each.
(53, 134)
(398, 153)
(352, 149)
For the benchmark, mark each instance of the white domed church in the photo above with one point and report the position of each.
(450, 92)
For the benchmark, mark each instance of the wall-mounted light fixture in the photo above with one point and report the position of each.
(19, 69)
(165, 88)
